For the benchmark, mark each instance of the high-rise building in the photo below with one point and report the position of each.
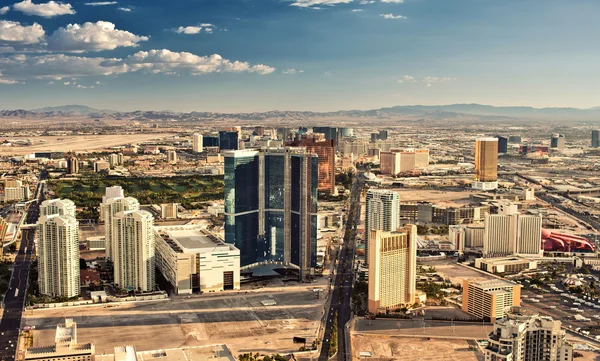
(523, 335)
(457, 236)
(259, 130)
(197, 143)
(62, 207)
(271, 207)
(383, 135)
(346, 132)
(15, 191)
(72, 165)
(172, 156)
(229, 140)
(108, 209)
(502, 144)
(326, 152)
(595, 138)
(58, 255)
(133, 250)
(486, 164)
(516, 139)
(507, 234)
(421, 158)
(210, 141)
(3, 231)
(374, 137)
(557, 141)
(330, 132)
(169, 210)
(112, 192)
(382, 212)
(487, 300)
(392, 268)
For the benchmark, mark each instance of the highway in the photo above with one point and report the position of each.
(17, 292)
(342, 292)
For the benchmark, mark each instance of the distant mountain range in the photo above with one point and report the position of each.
(437, 112)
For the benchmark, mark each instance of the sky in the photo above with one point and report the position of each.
(319, 55)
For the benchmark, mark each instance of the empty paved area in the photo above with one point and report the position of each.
(413, 349)
(425, 328)
(239, 320)
(457, 273)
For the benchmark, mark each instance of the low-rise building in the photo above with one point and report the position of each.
(65, 348)
(512, 264)
(194, 260)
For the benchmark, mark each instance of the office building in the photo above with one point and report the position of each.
(392, 268)
(557, 141)
(326, 152)
(65, 348)
(198, 143)
(172, 156)
(486, 164)
(524, 335)
(502, 144)
(381, 213)
(72, 165)
(101, 165)
(58, 255)
(169, 210)
(194, 260)
(595, 138)
(488, 299)
(515, 139)
(383, 135)
(108, 209)
(133, 250)
(62, 207)
(374, 137)
(210, 140)
(508, 234)
(512, 264)
(271, 207)
(229, 140)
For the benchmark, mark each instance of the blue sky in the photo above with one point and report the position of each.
(242, 55)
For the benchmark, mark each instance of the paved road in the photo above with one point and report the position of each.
(342, 293)
(15, 296)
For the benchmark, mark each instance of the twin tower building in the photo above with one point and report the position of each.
(129, 245)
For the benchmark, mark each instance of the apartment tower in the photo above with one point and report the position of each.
(382, 212)
(486, 164)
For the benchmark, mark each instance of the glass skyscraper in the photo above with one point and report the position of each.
(271, 206)
(228, 140)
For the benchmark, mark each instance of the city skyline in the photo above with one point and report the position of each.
(312, 55)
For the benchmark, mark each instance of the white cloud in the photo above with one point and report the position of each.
(97, 83)
(60, 66)
(4, 10)
(127, 10)
(101, 35)
(392, 1)
(195, 29)
(101, 3)
(47, 10)
(428, 80)
(365, 2)
(291, 71)
(67, 83)
(357, 10)
(315, 4)
(8, 82)
(14, 33)
(50, 82)
(392, 16)
(328, 73)
(435, 79)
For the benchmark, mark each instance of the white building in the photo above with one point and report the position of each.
(62, 207)
(58, 255)
(65, 348)
(382, 212)
(133, 250)
(523, 335)
(112, 192)
(192, 259)
(172, 156)
(108, 209)
(197, 143)
(507, 234)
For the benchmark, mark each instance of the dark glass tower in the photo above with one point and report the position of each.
(271, 206)
(228, 140)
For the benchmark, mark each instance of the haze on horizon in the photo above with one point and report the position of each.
(319, 55)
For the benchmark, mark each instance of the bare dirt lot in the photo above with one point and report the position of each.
(448, 198)
(413, 349)
(239, 320)
(80, 143)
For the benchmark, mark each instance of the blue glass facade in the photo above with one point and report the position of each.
(228, 140)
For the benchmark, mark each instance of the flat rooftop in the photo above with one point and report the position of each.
(493, 284)
(192, 239)
(504, 260)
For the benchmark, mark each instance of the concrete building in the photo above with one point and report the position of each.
(115, 159)
(508, 234)
(511, 264)
(197, 141)
(398, 161)
(392, 268)
(133, 250)
(271, 207)
(474, 235)
(523, 335)
(486, 164)
(488, 299)
(62, 207)
(421, 158)
(101, 165)
(381, 213)
(72, 165)
(194, 260)
(456, 237)
(557, 141)
(108, 209)
(15, 191)
(112, 192)
(595, 138)
(3, 230)
(172, 156)
(169, 211)
(65, 348)
(58, 255)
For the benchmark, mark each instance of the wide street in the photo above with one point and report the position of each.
(342, 293)
(17, 292)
